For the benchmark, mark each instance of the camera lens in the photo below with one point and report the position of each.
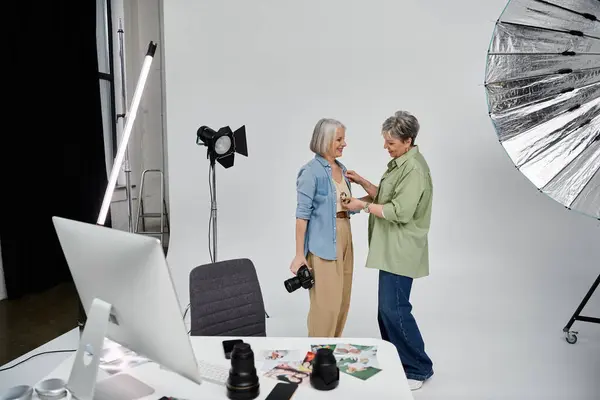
(292, 284)
(325, 373)
(243, 381)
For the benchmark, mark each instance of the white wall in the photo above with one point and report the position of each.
(500, 251)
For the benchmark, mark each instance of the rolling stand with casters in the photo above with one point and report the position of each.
(571, 336)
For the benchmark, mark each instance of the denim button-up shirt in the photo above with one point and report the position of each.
(317, 203)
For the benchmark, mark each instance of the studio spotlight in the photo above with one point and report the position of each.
(222, 145)
(221, 148)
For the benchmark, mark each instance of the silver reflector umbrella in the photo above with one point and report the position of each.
(543, 89)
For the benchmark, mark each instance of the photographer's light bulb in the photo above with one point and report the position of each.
(222, 145)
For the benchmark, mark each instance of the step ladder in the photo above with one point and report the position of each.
(142, 214)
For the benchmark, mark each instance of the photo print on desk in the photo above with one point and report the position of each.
(307, 362)
(357, 360)
(315, 347)
(280, 355)
(354, 367)
(290, 372)
(365, 354)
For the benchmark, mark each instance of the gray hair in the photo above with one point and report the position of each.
(323, 135)
(402, 125)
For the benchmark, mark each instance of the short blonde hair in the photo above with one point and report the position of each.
(323, 135)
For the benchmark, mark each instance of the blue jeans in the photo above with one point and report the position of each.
(398, 326)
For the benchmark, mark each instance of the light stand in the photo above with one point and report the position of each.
(213, 212)
(126, 165)
(221, 147)
(83, 376)
(570, 336)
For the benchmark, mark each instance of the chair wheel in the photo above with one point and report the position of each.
(571, 337)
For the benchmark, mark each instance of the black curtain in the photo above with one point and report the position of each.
(51, 149)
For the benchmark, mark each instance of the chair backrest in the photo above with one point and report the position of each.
(226, 300)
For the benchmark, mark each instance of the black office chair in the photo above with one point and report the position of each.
(226, 300)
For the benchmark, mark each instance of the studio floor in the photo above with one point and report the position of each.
(476, 357)
(32, 320)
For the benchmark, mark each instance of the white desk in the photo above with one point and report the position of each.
(34, 370)
(390, 383)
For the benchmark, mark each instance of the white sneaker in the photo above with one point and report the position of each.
(414, 384)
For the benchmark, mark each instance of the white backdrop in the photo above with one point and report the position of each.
(502, 254)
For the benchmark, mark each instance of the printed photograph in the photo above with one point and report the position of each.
(280, 355)
(291, 372)
(270, 355)
(307, 362)
(315, 347)
(346, 349)
(354, 349)
(354, 367)
(366, 355)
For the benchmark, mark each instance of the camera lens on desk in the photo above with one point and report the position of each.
(325, 372)
(242, 383)
(302, 279)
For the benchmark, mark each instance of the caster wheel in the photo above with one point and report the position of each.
(571, 337)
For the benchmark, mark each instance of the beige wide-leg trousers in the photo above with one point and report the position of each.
(330, 295)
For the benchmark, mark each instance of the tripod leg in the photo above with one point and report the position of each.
(572, 336)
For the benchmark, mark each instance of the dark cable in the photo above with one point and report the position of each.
(35, 355)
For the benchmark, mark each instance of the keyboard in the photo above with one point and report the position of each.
(212, 373)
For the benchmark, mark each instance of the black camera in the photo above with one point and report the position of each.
(303, 279)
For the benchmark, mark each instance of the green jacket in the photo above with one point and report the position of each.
(398, 243)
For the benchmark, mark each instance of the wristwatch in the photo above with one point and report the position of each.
(366, 207)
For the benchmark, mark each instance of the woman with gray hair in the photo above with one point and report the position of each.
(399, 220)
(323, 235)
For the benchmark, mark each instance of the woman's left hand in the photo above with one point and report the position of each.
(354, 204)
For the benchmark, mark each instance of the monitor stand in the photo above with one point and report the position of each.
(84, 373)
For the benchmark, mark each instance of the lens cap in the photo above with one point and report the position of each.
(325, 373)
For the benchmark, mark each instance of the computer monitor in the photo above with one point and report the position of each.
(125, 285)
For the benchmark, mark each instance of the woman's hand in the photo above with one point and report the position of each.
(297, 262)
(354, 177)
(368, 186)
(354, 204)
